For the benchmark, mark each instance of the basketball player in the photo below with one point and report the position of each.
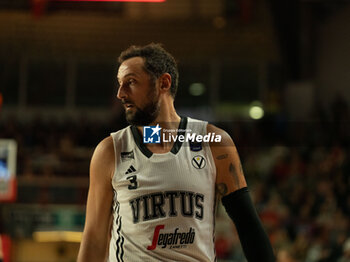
(156, 201)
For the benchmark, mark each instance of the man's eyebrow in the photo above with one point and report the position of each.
(128, 75)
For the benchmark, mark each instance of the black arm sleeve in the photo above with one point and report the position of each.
(254, 240)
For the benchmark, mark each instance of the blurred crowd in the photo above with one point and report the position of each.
(297, 171)
(56, 147)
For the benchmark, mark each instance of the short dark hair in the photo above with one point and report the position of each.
(157, 62)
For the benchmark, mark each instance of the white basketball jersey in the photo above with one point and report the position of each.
(164, 204)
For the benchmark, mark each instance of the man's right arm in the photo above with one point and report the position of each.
(96, 233)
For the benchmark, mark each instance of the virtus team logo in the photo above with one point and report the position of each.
(198, 162)
(152, 135)
(175, 239)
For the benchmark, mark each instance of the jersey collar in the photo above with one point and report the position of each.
(176, 147)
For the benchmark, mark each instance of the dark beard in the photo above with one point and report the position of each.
(145, 116)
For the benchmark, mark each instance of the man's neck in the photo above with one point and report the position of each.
(167, 117)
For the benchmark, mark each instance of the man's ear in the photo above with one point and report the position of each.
(165, 82)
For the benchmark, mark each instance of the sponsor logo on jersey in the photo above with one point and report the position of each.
(195, 146)
(125, 156)
(175, 239)
(198, 162)
(130, 170)
(151, 134)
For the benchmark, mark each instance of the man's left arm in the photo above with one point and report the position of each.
(231, 188)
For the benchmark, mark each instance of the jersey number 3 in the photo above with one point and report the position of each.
(133, 182)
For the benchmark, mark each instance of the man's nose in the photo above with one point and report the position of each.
(121, 92)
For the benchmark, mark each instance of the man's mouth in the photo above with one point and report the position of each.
(128, 105)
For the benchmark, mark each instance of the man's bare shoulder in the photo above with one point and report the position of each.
(103, 157)
(226, 140)
(105, 147)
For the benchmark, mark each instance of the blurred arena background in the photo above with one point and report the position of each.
(275, 74)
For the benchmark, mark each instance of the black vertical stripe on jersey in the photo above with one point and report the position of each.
(120, 241)
(117, 227)
(122, 244)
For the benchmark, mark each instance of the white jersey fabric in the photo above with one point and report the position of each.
(164, 204)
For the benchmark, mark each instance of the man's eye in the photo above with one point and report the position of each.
(131, 81)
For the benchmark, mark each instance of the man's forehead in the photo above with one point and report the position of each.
(132, 65)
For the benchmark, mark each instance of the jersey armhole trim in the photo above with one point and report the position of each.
(115, 157)
(210, 153)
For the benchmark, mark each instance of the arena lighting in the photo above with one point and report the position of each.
(197, 89)
(143, 1)
(57, 236)
(256, 110)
